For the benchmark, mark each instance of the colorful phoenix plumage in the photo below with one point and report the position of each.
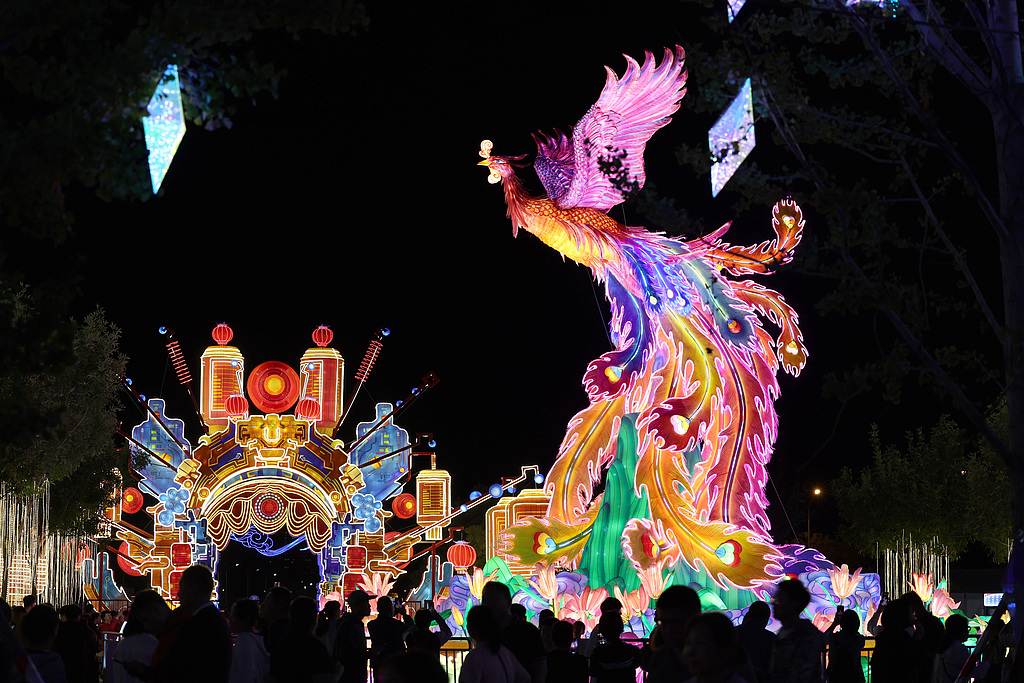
(682, 410)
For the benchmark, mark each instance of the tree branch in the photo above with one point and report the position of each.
(881, 129)
(946, 50)
(941, 377)
(990, 212)
(990, 317)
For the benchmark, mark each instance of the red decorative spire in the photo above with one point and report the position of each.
(222, 334)
(322, 336)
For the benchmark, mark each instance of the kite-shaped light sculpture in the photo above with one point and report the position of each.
(165, 125)
(731, 139)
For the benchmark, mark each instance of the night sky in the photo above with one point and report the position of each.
(354, 200)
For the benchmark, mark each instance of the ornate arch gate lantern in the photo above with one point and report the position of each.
(259, 470)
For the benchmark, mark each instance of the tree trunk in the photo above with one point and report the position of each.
(1006, 104)
(6, 549)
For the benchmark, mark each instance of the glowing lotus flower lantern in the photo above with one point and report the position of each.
(843, 584)
(942, 604)
(652, 578)
(922, 585)
(546, 582)
(634, 602)
(477, 580)
(585, 607)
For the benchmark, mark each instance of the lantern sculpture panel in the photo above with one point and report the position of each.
(256, 474)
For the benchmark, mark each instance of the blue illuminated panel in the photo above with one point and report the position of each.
(165, 125)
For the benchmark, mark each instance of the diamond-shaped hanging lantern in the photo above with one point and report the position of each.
(734, 8)
(731, 139)
(165, 125)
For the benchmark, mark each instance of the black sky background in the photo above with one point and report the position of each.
(354, 200)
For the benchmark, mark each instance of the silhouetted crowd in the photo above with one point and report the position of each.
(289, 640)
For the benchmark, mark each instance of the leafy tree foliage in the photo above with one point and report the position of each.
(940, 484)
(881, 121)
(74, 448)
(77, 78)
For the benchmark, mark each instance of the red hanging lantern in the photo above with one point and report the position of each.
(237, 406)
(462, 555)
(322, 336)
(308, 409)
(404, 505)
(131, 500)
(222, 334)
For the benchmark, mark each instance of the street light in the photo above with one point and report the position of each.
(816, 492)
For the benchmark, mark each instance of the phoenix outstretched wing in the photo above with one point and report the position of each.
(603, 163)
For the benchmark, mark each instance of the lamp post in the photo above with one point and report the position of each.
(816, 493)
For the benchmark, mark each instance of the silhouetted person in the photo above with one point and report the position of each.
(250, 661)
(564, 665)
(579, 630)
(544, 626)
(608, 606)
(613, 661)
(663, 655)
(755, 638)
(928, 631)
(953, 654)
(896, 656)
(201, 651)
(387, 634)
(75, 643)
(844, 648)
(18, 613)
(518, 611)
(39, 629)
(489, 661)
(300, 657)
(327, 623)
(519, 636)
(796, 657)
(274, 615)
(422, 638)
(146, 619)
(711, 650)
(350, 644)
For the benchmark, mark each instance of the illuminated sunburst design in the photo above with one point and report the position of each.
(731, 139)
(165, 125)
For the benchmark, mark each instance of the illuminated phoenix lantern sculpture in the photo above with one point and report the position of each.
(681, 420)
